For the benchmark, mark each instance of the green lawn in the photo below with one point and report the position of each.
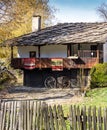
(95, 97)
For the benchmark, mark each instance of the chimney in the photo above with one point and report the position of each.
(36, 23)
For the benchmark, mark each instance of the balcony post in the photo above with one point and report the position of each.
(39, 51)
(79, 50)
(68, 50)
(98, 53)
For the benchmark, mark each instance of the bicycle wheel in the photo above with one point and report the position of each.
(66, 82)
(50, 82)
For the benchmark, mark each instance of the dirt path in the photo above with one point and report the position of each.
(50, 96)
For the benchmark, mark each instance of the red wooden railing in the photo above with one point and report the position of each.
(85, 59)
(18, 63)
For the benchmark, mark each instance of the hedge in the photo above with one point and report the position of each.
(99, 75)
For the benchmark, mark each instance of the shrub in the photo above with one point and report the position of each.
(1, 87)
(99, 75)
(4, 77)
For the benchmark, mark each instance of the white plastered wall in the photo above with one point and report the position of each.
(23, 52)
(48, 51)
(105, 52)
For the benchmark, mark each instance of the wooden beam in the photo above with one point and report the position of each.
(98, 53)
(39, 52)
(68, 50)
(78, 49)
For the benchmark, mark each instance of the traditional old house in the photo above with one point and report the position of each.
(60, 55)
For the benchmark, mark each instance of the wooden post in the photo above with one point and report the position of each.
(68, 50)
(39, 51)
(68, 53)
(78, 49)
(98, 53)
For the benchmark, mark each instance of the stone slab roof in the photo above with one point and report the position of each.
(64, 33)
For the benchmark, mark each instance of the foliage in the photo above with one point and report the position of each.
(4, 77)
(99, 75)
(18, 11)
(16, 17)
(1, 87)
(6, 73)
(5, 52)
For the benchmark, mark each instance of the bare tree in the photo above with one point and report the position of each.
(6, 11)
(102, 9)
(21, 11)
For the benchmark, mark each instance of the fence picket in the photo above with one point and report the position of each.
(1, 114)
(94, 119)
(99, 119)
(25, 115)
(8, 116)
(89, 118)
(55, 117)
(15, 115)
(74, 118)
(46, 117)
(21, 116)
(28, 115)
(62, 118)
(71, 117)
(51, 118)
(105, 119)
(41, 117)
(84, 118)
(78, 118)
(38, 116)
(33, 115)
(4, 116)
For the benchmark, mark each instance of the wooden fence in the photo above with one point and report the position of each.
(33, 115)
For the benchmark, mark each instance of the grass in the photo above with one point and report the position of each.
(95, 97)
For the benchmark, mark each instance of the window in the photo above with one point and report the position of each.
(32, 54)
(74, 49)
(94, 50)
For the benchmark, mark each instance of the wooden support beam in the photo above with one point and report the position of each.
(98, 53)
(39, 52)
(78, 49)
(68, 50)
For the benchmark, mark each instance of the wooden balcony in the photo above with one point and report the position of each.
(85, 59)
(18, 63)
